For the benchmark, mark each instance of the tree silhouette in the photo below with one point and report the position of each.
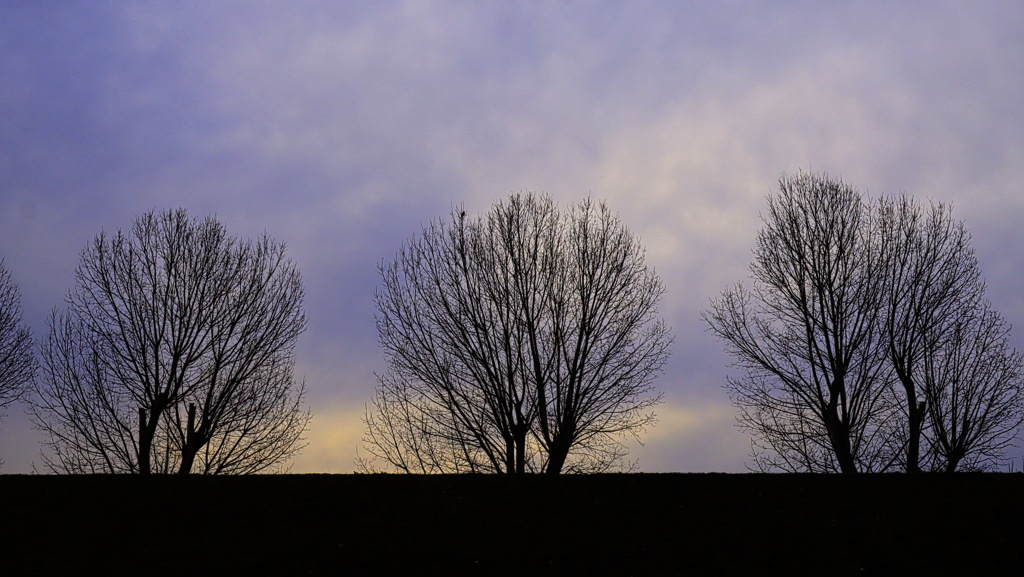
(973, 389)
(175, 354)
(806, 334)
(17, 362)
(866, 338)
(523, 340)
(931, 277)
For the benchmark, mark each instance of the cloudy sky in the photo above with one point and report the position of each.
(342, 128)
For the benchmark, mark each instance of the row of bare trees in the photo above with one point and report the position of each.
(865, 339)
(523, 340)
(175, 354)
(527, 340)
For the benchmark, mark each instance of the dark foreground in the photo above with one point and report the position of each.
(640, 524)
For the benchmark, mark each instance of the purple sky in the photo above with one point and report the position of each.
(341, 128)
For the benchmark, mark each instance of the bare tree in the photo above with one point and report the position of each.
(974, 390)
(949, 349)
(931, 276)
(866, 339)
(816, 392)
(17, 363)
(175, 354)
(523, 340)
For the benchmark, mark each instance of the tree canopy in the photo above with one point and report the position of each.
(865, 331)
(175, 353)
(525, 339)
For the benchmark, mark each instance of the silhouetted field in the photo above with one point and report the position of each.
(639, 524)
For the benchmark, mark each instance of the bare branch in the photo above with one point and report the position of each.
(17, 363)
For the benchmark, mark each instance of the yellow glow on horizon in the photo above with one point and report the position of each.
(333, 436)
(681, 422)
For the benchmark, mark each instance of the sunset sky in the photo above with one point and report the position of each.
(341, 128)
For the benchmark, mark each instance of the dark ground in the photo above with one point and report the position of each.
(637, 524)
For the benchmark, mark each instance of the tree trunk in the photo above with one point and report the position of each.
(188, 457)
(147, 430)
(145, 442)
(558, 452)
(953, 459)
(510, 455)
(521, 451)
(916, 417)
(192, 443)
(839, 437)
